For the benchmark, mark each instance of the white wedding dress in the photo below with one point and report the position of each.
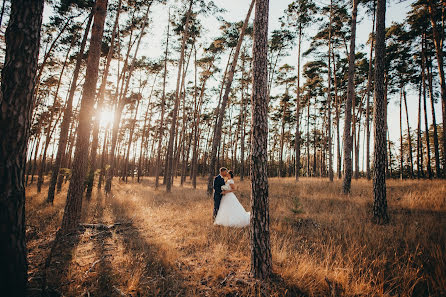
(231, 213)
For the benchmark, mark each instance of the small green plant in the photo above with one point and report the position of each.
(296, 207)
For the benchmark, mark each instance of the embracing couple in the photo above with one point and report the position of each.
(227, 209)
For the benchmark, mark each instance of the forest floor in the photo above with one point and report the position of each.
(149, 243)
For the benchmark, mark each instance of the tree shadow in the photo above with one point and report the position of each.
(152, 273)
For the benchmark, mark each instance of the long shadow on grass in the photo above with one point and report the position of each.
(155, 276)
(101, 283)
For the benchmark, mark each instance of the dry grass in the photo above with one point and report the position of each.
(323, 243)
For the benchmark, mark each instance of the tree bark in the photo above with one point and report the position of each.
(18, 76)
(348, 144)
(426, 123)
(297, 135)
(261, 261)
(438, 42)
(380, 215)
(73, 207)
(100, 101)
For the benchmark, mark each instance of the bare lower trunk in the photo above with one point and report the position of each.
(348, 145)
(261, 262)
(380, 215)
(73, 207)
(18, 76)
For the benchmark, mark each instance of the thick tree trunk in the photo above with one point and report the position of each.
(380, 215)
(65, 125)
(18, 76)
(221, 114)
(438, 41)
(348, 144)
(73, 207)
(261, 262)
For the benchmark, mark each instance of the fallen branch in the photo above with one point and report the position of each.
(102, 226)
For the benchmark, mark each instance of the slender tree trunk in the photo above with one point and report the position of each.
(18, 76)
(100, 101)
(65, 125)
(73, 206)
(103, 158)
(122, 100)
(132, 131)
(51, 127)
(434, 123)
(330, 151)
(297, 135)
(163, 103)
(420, 171)
(348, 105)
(170, 153)
(380, 215)
(261, 262)
(408, 135)
(401, 135)
(221, 114)
(338, 128)
(426, 123)
(369, 87)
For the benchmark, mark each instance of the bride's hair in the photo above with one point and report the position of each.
(231, 173)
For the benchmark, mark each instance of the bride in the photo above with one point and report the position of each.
(231, 212)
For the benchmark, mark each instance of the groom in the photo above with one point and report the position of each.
(219, 181)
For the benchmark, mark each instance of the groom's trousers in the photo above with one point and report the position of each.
(217, 200)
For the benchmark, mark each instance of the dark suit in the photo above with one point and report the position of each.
(218, 183)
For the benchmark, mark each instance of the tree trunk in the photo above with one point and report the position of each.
(420, 171)
(261, 262)
(426, 123)
(121, 100)
(73, 207)
(18, 76)
(369, 87)
(297, 133)
(221, 114)
(50, 128)
(401, 134)
(434, 122)
(408, 135)
(330, 151)
(348, 145)
(65, 125)
(380, 215)
(170, 154)
(163, 107)
(100, 101)
(438, 41)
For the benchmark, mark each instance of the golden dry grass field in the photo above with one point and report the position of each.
(323, 243)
